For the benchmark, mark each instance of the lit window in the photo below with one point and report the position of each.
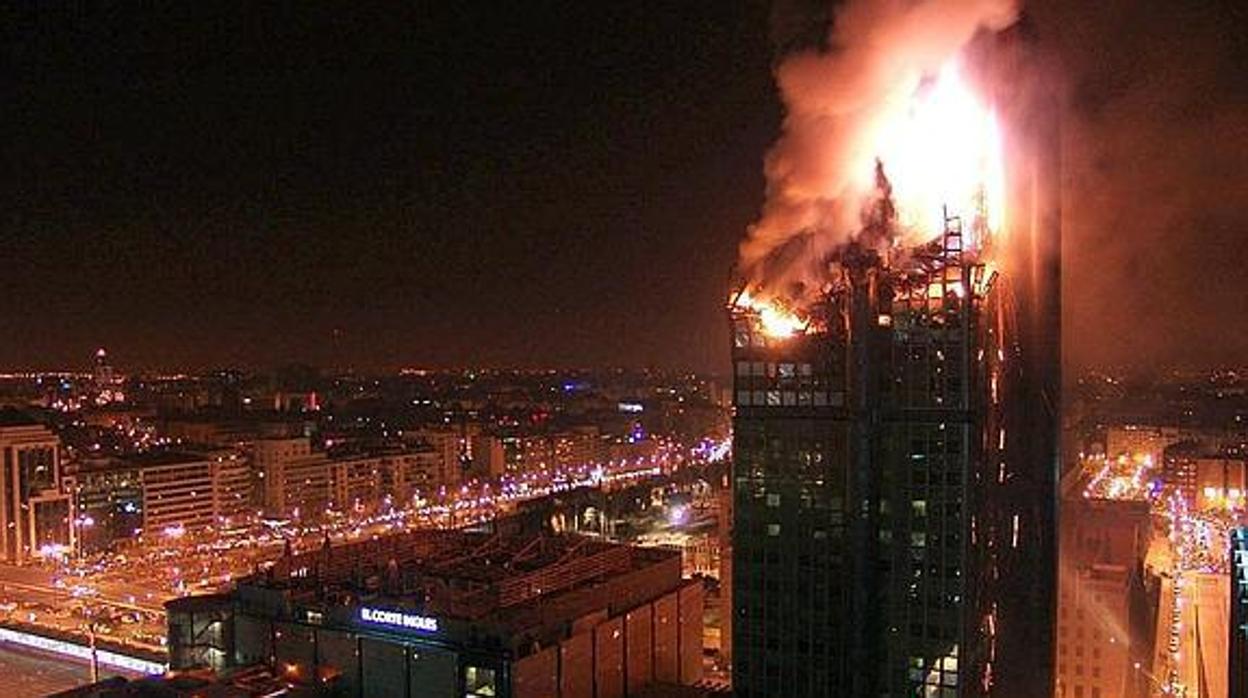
(479, 682)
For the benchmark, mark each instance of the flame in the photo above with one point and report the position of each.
(941, 149)
(985, 277)
(774, 319)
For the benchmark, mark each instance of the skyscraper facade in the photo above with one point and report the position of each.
(896, 456)
(886, 525)
(852, 450)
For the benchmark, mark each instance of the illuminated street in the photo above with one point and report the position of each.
(124, 593)
(1188, 552)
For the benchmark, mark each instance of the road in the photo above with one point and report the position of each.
(37, 600)
(134, 597)
(26, 673)
(1198, 668)
(1166, 652)
(1212, 593)
(1188, 661)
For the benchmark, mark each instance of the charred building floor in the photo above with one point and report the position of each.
(893, 512)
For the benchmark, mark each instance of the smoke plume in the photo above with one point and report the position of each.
(821, 174)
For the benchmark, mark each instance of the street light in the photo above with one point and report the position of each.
(92, 628)
(82, 522)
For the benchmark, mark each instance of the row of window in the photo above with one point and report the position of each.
(790, 398)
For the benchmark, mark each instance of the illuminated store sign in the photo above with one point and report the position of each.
(398, 619)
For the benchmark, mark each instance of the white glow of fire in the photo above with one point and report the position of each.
(774, 320)
(941, 149)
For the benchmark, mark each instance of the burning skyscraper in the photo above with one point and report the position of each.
(897, 386)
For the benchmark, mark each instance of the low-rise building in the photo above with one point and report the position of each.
(512, 611)
(1101, 632)
(309, 485)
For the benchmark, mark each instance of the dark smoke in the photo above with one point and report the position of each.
(879, 216)
(1156, 175)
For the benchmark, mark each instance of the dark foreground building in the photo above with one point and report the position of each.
(511, 611)
(1238, 661)
(895, 463)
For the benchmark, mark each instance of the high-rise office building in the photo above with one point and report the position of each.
(34, 513)
(896, 456)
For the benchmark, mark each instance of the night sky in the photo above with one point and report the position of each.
(533, 183)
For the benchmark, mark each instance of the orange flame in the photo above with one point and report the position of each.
(775, 320)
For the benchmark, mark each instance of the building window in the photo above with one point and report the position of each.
(479, 682)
